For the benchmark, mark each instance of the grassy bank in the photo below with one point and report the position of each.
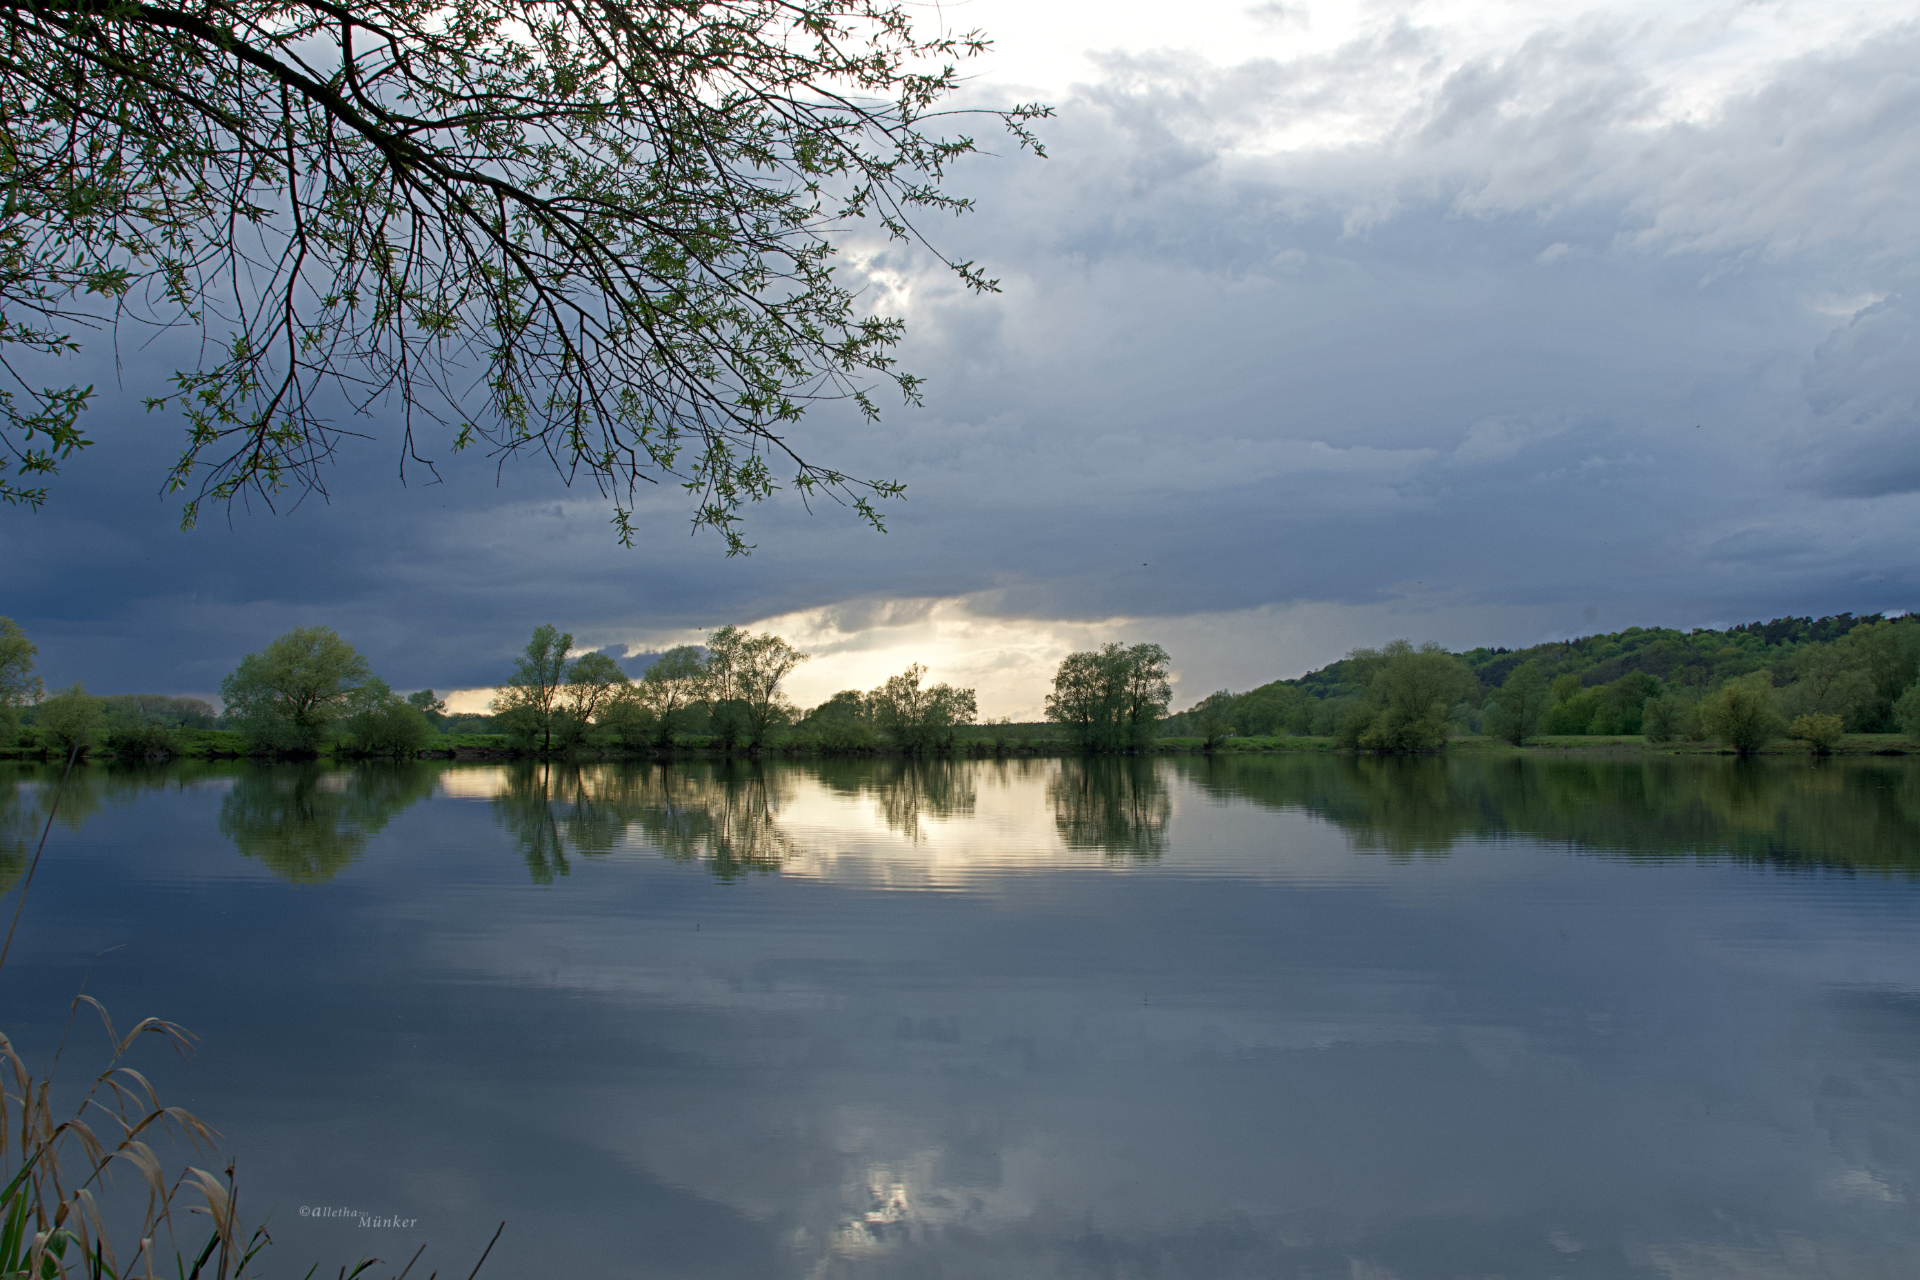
(226, 744)
(1250, 745)
(1852, 744)
(990, 742)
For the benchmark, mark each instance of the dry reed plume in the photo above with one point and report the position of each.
(51, 1221)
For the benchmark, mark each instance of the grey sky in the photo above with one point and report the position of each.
(1481, 323)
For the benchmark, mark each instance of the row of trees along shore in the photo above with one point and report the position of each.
(310, 691)
(1804, 678)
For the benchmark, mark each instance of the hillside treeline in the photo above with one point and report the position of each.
(311, 691)
(1814, 678)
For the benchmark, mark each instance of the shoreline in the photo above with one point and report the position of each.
(1852, 745)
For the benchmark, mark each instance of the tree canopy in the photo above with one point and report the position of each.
(920, 718)
(1652, 681)
(528, 704)
(743, 675)
(1410, 697)
(1740, 713)
(605, 235)
(669, 688)
(382, 723)
(1112, 698)
(1522, 703)
(70, 720)
(594, 681)
(18, 685)
(288, 696)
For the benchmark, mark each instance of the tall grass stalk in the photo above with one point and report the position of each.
(27, 881)
(59, 1166)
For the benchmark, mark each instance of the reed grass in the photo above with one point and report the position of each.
(59, 1166)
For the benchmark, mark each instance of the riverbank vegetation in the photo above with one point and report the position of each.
(1832, 684)
(1839, 684)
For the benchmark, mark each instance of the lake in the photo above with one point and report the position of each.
(1183, 1018)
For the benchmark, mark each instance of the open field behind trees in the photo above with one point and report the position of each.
(1843, 684)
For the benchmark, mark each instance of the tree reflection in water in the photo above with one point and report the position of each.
(1116, 804)
(25, 792)
(539, 798)
(908, 792)
(723, 815)
(28, 787)
(1858, 814)
(306, 823)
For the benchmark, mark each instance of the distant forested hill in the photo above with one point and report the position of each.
(1856, 665)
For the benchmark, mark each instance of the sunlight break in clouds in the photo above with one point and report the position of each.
(857, 645)
(1324, 324)
(1010, 661)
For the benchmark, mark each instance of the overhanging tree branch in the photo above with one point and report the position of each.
(600, 230)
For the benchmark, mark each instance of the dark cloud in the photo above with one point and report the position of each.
(1537, 341)
(1863, 386)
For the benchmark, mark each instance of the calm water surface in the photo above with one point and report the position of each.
(1313, 1017)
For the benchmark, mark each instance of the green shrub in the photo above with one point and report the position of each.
(525, 728)
(132, 739)
(842, 737)
(1330, 714)
(1622, 704)
(1660, 718)
(630, 721)
(1575, 714)
(1906, 711)
(1410, 700)
(69, 721)
(382, 723)
(570, 731)
(1516, 716)
(1819, 731)
(1740, 713)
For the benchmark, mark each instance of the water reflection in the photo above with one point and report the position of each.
(544, 808)
(21, 821)
(306, 823)
(726, 817)
(1221, 1063)
(723, 815)
(1862, 814)
(908, 793)
(734, 817)
(951, 819)
(28, 789)
(1115, 804)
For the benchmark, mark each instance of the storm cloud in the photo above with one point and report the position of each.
(1479, 324)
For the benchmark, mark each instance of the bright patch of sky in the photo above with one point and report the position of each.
(1697, 53)
(1323, 324)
